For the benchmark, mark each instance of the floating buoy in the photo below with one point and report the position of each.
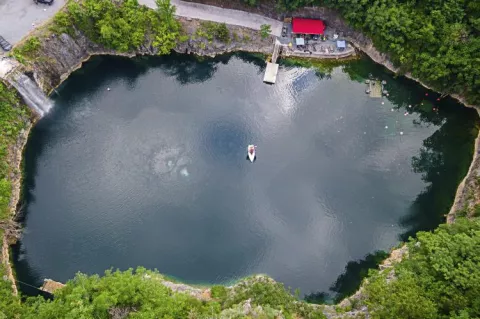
(383, 102)
(401, 133)
(392, 110)
(409, 105)
(386, 126)
(108, 89)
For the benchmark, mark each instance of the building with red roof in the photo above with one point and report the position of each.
(307, 26)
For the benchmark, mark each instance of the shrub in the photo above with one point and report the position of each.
(219, 292)
(265, 30)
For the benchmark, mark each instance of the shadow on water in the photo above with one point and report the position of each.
(444, 156)
(187, 69)
(443, 161)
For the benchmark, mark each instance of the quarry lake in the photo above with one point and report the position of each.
(141, 162)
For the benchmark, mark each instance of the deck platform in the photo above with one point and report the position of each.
(271, 73)
(375, 88)
(272, 66)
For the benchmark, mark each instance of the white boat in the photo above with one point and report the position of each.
(251, 153)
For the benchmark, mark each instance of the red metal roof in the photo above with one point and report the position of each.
(307, 26)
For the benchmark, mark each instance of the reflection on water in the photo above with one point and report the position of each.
(153, 172)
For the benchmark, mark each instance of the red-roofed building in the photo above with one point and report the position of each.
(307, 26)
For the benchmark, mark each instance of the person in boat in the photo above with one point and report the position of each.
(252, 148)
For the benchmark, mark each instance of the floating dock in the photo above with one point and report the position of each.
(374, 88)
(271, 73)
(272, 67)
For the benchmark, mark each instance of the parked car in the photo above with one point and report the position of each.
(49, 2)
(4, 44)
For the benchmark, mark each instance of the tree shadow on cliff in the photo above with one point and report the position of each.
(349, 281)
(444, 157)
(443, 161)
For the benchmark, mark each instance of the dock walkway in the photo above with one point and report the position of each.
(272, 67)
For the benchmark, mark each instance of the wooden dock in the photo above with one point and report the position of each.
(272, 66)
(375, 88)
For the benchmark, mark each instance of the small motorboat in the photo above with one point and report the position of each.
(251, 153)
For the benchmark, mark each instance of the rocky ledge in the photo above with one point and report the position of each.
(61, 54)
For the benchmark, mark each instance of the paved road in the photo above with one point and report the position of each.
(17, 16)
(228, 16)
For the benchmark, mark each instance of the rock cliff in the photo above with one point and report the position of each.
(61, 54)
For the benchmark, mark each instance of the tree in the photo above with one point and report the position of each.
(265, 30)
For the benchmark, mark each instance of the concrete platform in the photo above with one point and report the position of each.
(50, 286)
(271, 73)
(375, 88)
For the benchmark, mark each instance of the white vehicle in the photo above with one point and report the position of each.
(251, 153)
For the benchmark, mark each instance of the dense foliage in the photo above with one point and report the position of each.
(436, 40)
(9, 304)
(440, 279)
(140, 294)
(122, 25)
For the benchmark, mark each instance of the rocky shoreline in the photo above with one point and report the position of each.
(15, 154)
(63, 54)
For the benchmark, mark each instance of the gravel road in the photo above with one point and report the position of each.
(216, 14)
(19, 17)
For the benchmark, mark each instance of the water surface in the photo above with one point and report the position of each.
(153, 172)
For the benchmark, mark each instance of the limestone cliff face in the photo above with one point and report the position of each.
(60, 55)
